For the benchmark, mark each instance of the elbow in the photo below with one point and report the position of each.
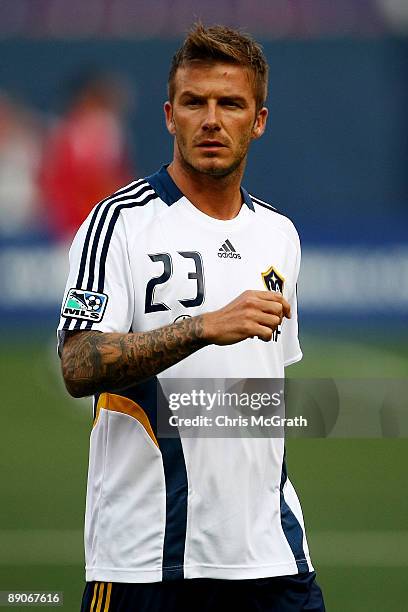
(74, 389)
(76, 377)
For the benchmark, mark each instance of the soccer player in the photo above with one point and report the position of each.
(184, 274)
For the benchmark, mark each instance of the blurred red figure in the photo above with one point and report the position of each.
(21, 133)
(86, 156)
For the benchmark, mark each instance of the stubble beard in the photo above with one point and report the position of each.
(213, 170)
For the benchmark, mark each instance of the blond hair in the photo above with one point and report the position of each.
(222, 44)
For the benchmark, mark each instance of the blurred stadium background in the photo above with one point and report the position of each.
(335, 159)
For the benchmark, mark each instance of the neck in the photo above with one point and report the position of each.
(217, 196)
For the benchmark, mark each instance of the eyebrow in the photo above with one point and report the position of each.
(234, 97)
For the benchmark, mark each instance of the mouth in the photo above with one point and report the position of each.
(210, 144)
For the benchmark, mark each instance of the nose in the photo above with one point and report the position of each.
(211, 121)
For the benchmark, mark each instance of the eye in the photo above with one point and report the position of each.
(193, 102)
(231, 103)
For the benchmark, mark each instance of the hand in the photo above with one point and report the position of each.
(253, 313)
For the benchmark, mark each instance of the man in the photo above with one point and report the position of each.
(185, 275)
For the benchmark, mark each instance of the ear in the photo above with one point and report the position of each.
(260, 123)
(168, 113)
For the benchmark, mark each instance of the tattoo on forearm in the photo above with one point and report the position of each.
(93, 362)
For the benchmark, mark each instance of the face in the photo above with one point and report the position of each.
(213, 117)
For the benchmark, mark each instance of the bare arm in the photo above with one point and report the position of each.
(93, 362)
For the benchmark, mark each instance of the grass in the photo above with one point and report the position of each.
(353, 491)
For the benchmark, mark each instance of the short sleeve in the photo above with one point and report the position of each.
(290, 340)
(99, 291)
(290, 328)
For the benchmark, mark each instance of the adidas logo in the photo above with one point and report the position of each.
(227, 250)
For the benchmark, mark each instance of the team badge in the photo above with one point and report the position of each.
(86, 305)
(273, 280)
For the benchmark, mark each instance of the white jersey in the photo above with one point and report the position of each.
(158, 508)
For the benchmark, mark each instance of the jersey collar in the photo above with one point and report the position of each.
(168, 191)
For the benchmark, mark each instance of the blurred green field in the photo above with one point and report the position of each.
(353, 491)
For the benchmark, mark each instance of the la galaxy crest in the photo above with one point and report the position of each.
(273, 281)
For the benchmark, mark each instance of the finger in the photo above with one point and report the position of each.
(264, 333)
(277, 305)
(269, 320)
(286, 309)
(266, 294)
(271, 296)
(285, 304)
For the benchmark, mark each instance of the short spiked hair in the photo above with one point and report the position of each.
(222, 44)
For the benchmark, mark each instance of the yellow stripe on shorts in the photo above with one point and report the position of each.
(94, 597)
(108, 596)
(100, 598)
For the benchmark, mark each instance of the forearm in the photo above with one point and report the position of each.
(93, 362)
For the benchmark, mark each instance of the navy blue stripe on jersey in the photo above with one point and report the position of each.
(84, 255)
(121, 192)
(95, 401)
(264, 204)
(247, 199)
(168, 191)
(101, 223)
(268, 207)
(291, 526)
(175, 475)
(127, 201)
(108, 236)
(164, 186)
